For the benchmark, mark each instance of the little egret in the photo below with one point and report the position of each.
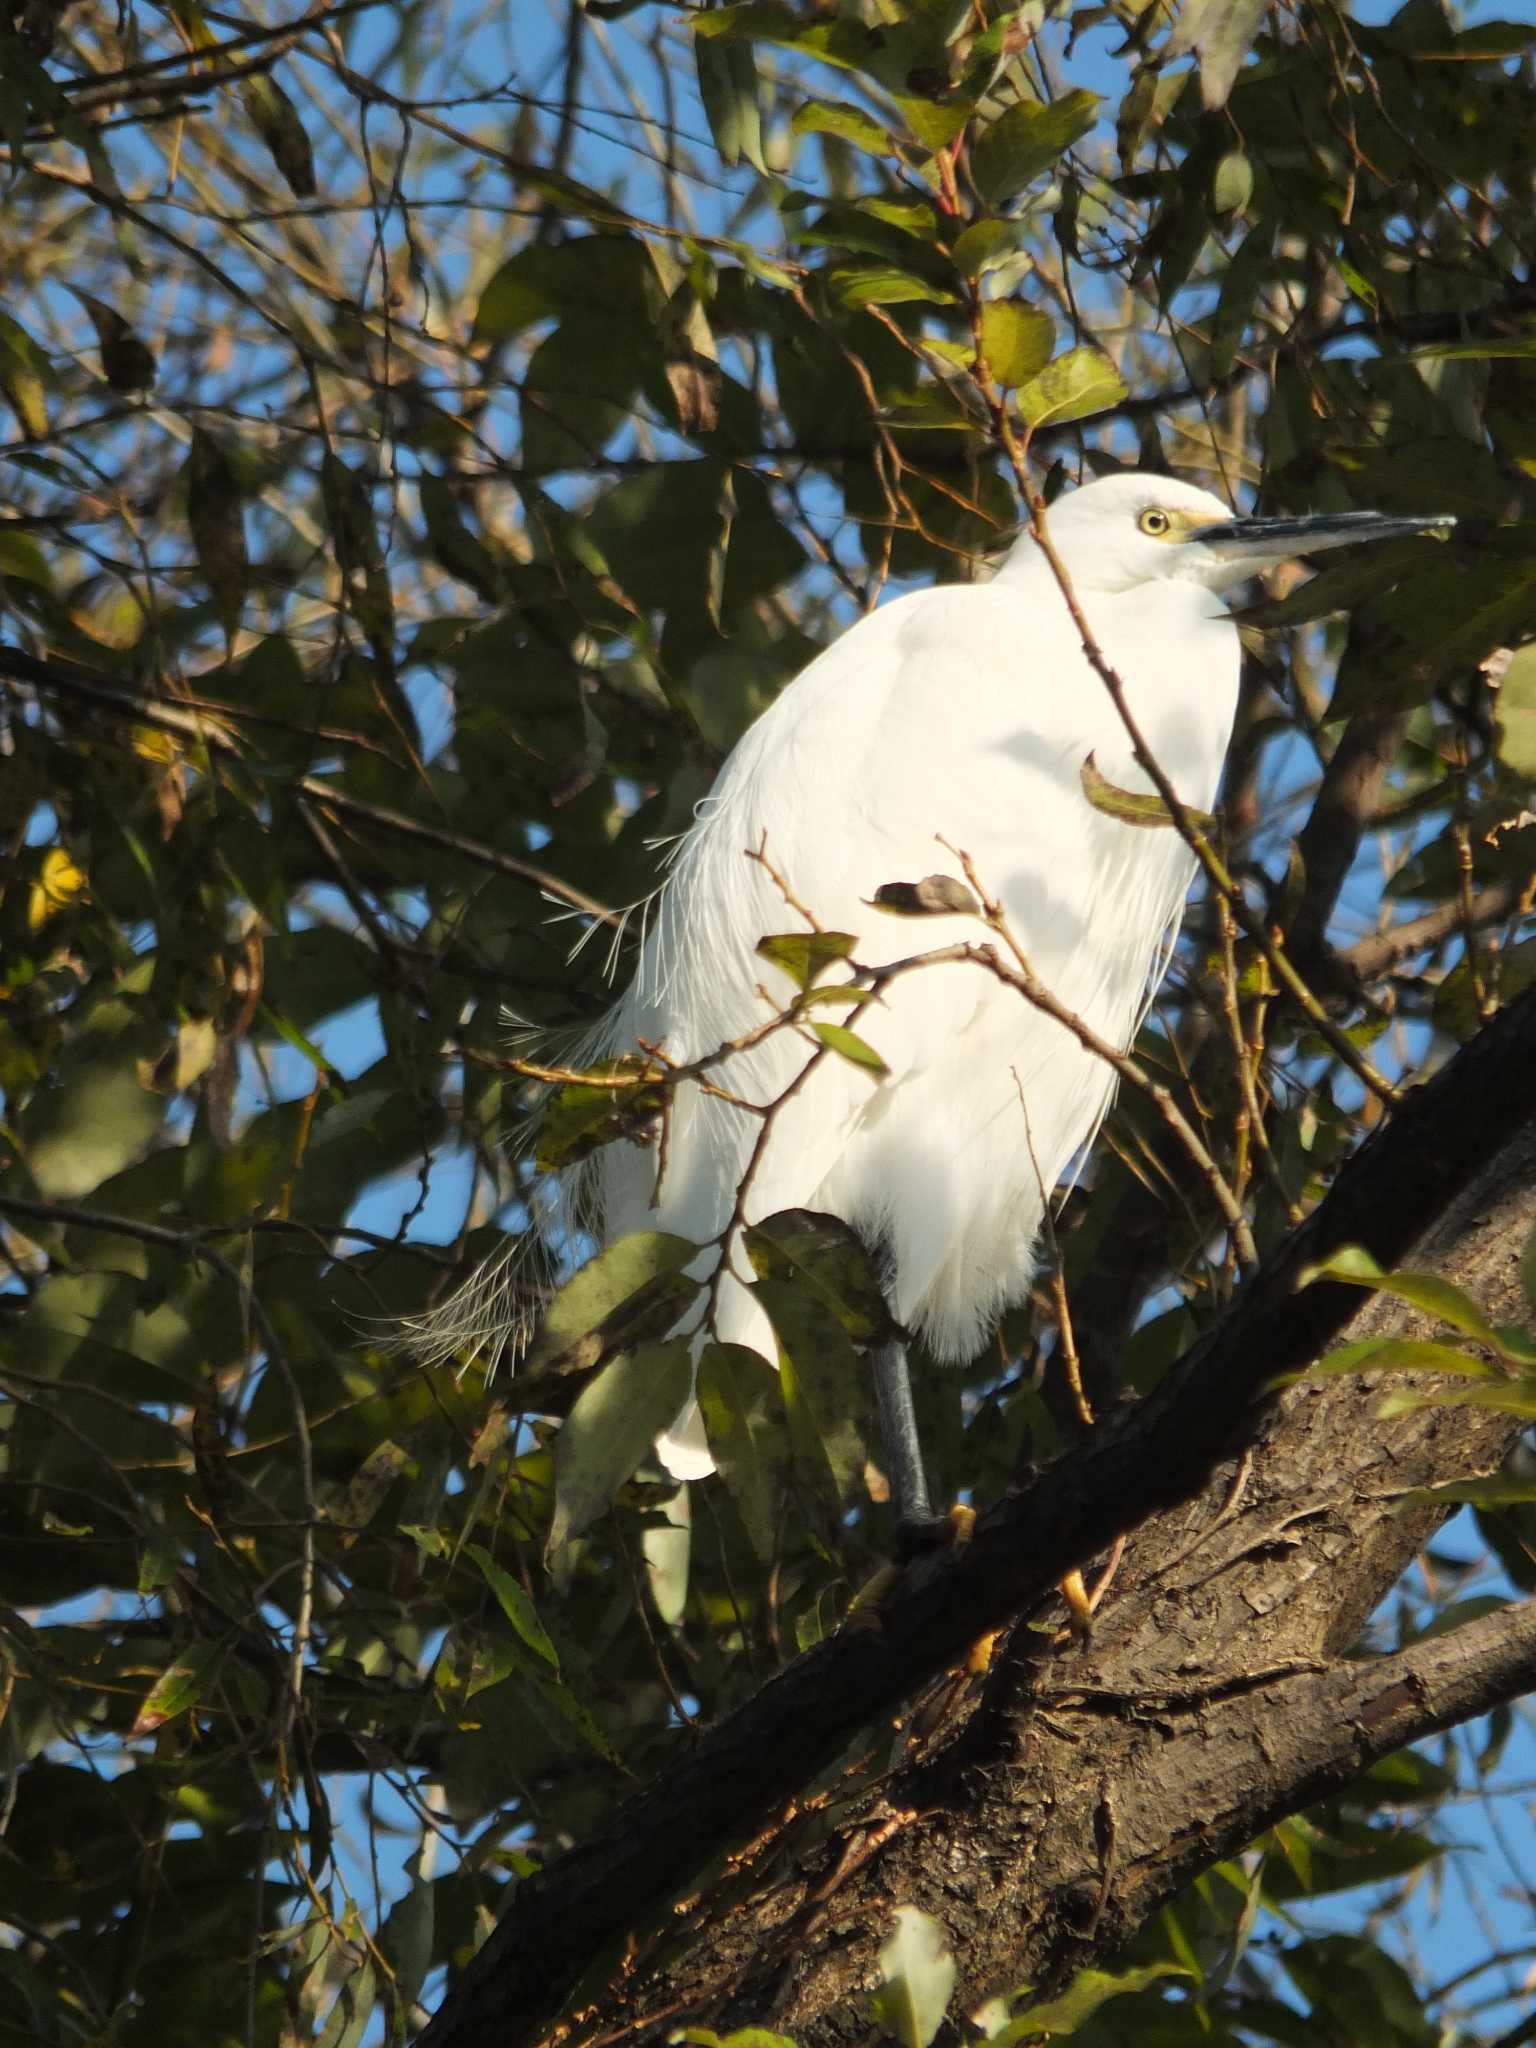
(962, 714)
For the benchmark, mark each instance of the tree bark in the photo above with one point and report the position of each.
(1043, 1813)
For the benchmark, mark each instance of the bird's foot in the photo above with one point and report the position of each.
(917, 1535)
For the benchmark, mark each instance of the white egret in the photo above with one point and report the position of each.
(960, 714)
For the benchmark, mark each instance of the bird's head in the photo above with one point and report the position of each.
(1124, 531)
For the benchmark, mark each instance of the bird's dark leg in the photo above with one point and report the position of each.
(898, 1431)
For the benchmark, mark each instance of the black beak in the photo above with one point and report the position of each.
(1274, 539)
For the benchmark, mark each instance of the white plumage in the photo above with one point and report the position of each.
(962, 714)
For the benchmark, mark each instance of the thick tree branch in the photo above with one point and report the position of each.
(1153, 1459)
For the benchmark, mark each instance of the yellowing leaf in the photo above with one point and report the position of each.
(1082, 381)
(806, 956)
(58, 883)
(1016, 341)
(1515, 714)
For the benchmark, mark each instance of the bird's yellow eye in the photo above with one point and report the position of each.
(1155, 522)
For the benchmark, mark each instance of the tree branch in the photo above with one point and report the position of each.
(1154, 1458)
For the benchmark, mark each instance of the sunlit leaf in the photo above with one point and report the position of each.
(850, 1047)
(1075, 386)
(1016, 341)
(1515, 714)
(617, 1297)
(1134, 807)
(59, 882)
(806, 956)
(1027, 140)
(744, 1422)
(515, 1604)
(1088, 1990)
(611, 1428)
(826, 1256)
(917, 1979)
(1427, 1291)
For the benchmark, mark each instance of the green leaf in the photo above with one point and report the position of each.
(1088, 1990)
(582, 1116)
(1426, 1291)
(856, 285)
(984, 245)
(24, 373)
(1077, 384)
(543, 281)
(180, 1686)
(1337, 588)
(1515, 714)
(1016, 341)
(610, 1429)
(617, 1297)
(406, 1936)
(743, 2037)
(454, 547)
(276, 120)
(1232, 183)
(159, 1560)
(918, 1974)
(744, 1421)
(849, 124)
(1222, 31)
(666, 1546)
(1398, 1354)
(216, 520)
(806, 956)
(732, 101)
(827, 1388)
(1358, 1993)
(515, 1604)
(825, 1255)
(1504, 1397)
(850, 1047)
(1528, 1268)
(1027, 140)
(23, 559)
(359, 555)
(1132, 807)
(1492, 1493)
(1507, 973)
(351, 2010)
(356, 1504)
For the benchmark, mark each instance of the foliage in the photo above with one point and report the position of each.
(417, 481)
